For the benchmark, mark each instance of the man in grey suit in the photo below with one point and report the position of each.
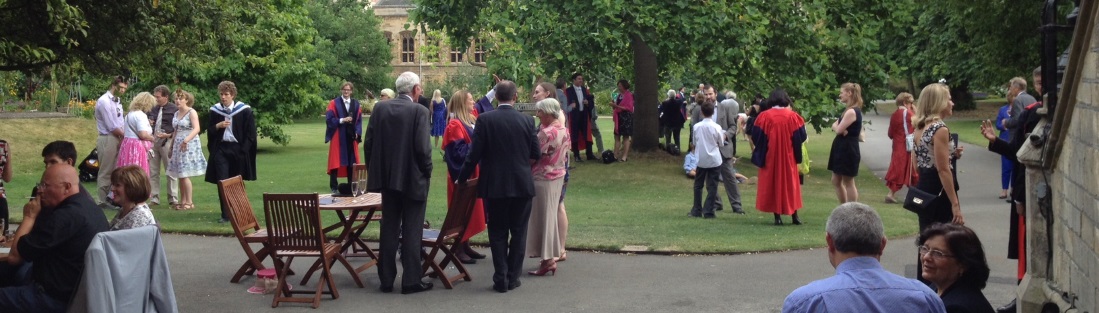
(397, 152)
(725, 116)
(505, 145)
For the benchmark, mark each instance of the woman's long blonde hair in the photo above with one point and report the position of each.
(855, 101)
(458, 107)
(934, 99)
(437, 96)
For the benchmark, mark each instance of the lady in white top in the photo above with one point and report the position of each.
(138, 140)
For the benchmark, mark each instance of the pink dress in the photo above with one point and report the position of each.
(133, 150)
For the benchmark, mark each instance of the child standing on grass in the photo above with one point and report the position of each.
(707, 136)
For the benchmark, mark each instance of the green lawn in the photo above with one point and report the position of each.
(641, 202)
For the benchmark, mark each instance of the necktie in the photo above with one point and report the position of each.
(156, 126)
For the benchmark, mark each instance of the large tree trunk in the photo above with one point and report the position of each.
(645, 121)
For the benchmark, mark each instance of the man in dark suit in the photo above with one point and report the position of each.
(580, 104)
(397, 152)
(231, 140)
(505, 145)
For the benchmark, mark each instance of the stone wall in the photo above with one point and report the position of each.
(1072, 282)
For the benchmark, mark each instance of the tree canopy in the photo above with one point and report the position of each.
(808, 48)
(285, 56)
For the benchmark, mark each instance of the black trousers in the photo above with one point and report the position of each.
(226, 162)
(402, 217)
(507, 216)
(707, 177)
(671, 134)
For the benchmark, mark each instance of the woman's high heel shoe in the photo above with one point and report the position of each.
(548, 266)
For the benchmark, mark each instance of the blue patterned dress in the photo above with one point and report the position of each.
(438, 118)
(190, 162)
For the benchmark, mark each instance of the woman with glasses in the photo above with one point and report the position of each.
(954, 262)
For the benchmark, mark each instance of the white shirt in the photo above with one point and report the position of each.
(579, 97)
(136, 121)
(708, 137)
(347, 105)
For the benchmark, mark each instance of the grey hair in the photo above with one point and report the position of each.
(730, 94)
(388, 93)
(856, 228)
(550, 106)
(406, 81)
(671, 93)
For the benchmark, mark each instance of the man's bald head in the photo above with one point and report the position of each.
(58, 183)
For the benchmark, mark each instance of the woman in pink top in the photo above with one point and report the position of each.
(623, 120)
(543, 240)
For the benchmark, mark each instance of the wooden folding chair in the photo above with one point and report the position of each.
(245, 227)
(294, 230)
(447, 238)
(362, 220)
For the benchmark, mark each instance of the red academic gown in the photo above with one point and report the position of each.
(456, 144)
(779, 135)
(336, 138)
(900, 164)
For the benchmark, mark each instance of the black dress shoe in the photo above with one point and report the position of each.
(416, 288)
(473, 253)
(796, 221)
(591, 157)
(387, 289)
(514, 284)
(1007, 308)
(709, 216)
(778, 220)
(465, 259)
(499, 287)
(739, 211)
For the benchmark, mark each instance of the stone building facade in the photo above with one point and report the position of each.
(425, 53)
(1063, 181)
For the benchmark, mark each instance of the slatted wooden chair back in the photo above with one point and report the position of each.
(459, 210)
(294, 230)
(293, 222)
(241, 215)
(446, 239)
(358, 172)
(245, 228)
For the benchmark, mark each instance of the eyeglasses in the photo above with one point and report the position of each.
(935, 253)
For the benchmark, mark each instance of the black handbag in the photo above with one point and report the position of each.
(917, 200)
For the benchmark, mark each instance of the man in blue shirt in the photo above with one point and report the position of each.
(856, 239)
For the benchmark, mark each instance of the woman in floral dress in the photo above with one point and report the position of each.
(187, 159)
(130, 186)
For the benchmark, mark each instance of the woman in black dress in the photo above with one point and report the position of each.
(844, 158)
(935, 156)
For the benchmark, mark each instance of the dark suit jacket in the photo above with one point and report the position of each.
(397, 148)
(570, 96)
(504, 144)
(244, 129)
